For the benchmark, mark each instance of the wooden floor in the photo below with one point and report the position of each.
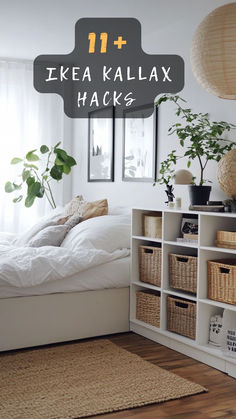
(219, 402)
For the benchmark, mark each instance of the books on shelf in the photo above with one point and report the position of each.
(207, 208)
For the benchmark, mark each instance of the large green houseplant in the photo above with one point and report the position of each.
(54, 163)
(201, 139)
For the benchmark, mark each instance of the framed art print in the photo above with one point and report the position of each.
(140, 145)
(101, 146)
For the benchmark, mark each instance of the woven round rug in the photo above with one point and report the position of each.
(81, 380)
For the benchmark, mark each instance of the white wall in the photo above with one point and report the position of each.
(32, 27)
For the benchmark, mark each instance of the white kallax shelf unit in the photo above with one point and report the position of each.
(205, 249)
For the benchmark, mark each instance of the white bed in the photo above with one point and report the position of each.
(114, 274)
(93, 302)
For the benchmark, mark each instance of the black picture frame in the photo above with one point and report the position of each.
(95, 151)
(154, 141)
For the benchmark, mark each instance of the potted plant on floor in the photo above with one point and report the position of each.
(202, 139)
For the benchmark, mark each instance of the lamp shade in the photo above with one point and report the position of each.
(183, 177)
(213, 52)
(226, 173)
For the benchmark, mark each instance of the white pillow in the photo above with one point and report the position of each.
(47, 220)
(109, 232)
(118, 210)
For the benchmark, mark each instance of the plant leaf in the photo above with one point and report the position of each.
(9, 187)
(57, 145)
(59, 162)
(70, 161)
(16, 160)
(44, 149)
(66, 169)
(31, 156)
(18, 199)
(29, 201)
(25, 175)
(34, 189)
(31, 166)
(41, 192)
(17, 187)
(56, 172)
(30, 180)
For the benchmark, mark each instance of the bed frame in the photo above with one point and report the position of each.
(43, 319)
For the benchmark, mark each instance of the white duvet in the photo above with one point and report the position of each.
(27, 266)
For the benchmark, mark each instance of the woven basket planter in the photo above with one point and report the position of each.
(148, 307)
(181, 317)
(150, 265)
(183, 272)
(222, 280)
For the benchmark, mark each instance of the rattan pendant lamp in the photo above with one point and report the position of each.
(213, 52)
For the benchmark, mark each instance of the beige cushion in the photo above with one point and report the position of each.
(94, 209)
(84, 209)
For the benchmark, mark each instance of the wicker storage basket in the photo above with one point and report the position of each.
(148, 307)
(181, 316)
(152, 225)
(222, 280)
(226, 239)
(150, 265)
(183, 272)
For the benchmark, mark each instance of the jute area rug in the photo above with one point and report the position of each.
(82, 379)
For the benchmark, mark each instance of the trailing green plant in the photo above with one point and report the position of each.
(167, 169)
(202, 139)
(54, 162)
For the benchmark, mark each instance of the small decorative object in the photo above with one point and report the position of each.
(171, 204)
(203, 140)
(54, 162)
(226, 239)
(215, 333)
(178, 203)
(230, 205)
(229, 333)
(170, 195)
(101, 145)
(140, 145)
(191, 236)
(226, 173)
(152, 225)
(189, 224)
(183, 177)
(213, 52)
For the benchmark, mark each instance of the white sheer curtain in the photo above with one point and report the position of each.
(28, 119)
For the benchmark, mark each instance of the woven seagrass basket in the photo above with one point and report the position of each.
(183, 272)
(222, 280)
(150, 265)
(181, 316)
(148, 307)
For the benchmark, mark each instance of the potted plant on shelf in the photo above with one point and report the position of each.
(202, 139)
(55, 161)
(167, 175)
